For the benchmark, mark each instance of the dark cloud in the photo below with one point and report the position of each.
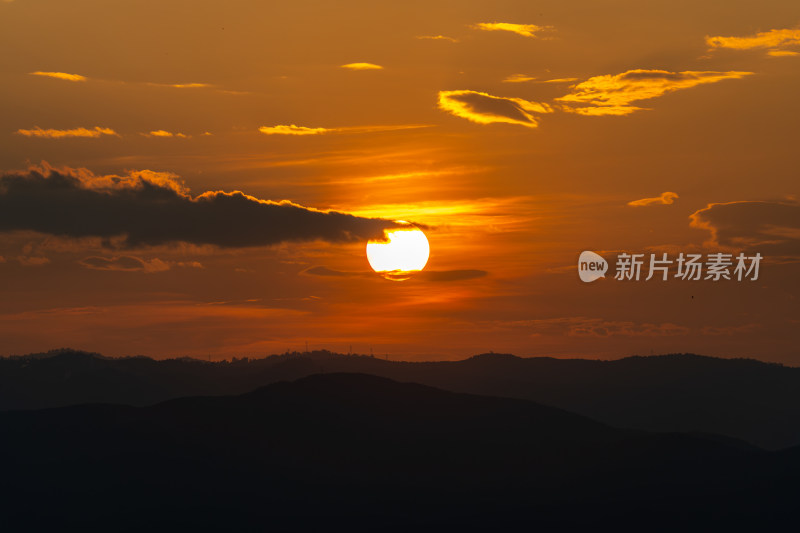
(766, 227)
(150, 208)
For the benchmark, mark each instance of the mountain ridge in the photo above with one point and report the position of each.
(740, 398)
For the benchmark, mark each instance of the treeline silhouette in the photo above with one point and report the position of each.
(739, 398)
(353, 449)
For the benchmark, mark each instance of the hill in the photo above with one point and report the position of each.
(359, 449)
(740, 398)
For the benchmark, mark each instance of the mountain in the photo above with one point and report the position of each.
(352, 449)
(739, 398)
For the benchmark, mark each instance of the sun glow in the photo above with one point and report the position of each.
(405, 252)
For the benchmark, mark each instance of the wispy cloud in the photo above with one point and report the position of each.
(59, 75)
(32, 260)
(484, 108)
(291, 129)
(580, 326)
(518, 78)
(438, 38)
(560, 80)
(782, 53)
(96, 132)
(129, 263)
(166, 134)
(666, 198)
(526, 30)
(776, 41)
(436, 276)
(182, 85)
(362, 66)
(613, 94)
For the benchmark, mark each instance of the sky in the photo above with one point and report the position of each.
(200, 178)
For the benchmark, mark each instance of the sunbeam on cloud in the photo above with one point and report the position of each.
(612, 94)
(526, 30)
(60, 75)
(95, 133)
(665, 198)
(362, 66)
(483, 108)
(774, 40)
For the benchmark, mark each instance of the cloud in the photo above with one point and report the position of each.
(61, 134)
(452, 275)
(782, 53)
(326, 272)
(518, 78)
(560, 80)
(167, 134)
(362, 66)
(597, 327)
(129, 263)
(181, 85)
(760, 226)
(28, 260)
(302, 130)
(484, 108)
(437, 38)
(526, 30)
(774, 40)
(613, 94)
(147, 208)
(666, 198)
(59, 75)
(291, 130)
(124, 263)
(435, 276)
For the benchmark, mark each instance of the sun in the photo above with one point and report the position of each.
(405, 252)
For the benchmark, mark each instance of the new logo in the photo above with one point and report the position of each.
(591, 266)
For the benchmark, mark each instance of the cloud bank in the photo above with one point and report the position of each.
(147, 208)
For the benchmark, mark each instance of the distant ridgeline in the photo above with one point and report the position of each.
(739, 398)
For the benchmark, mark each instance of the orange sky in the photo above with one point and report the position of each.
(519, 133)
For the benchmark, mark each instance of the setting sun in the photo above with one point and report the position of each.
(406, 251)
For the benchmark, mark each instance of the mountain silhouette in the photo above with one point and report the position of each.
(365, 449)
(739, 398)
